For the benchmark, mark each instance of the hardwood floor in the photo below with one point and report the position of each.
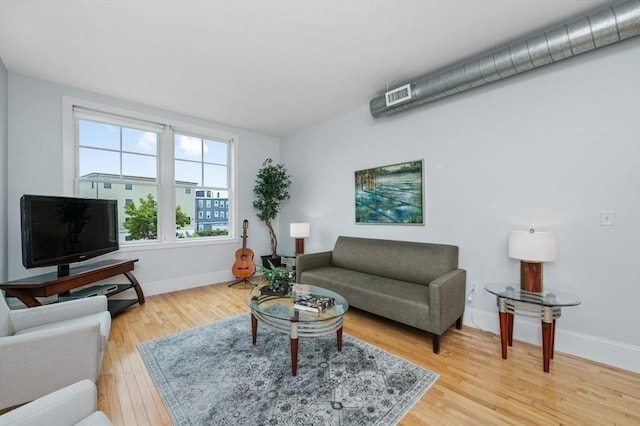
(475, 386)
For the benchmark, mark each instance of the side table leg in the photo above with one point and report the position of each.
(504, 333)
(553, 338)
(510, 325)
(339, 338)
(254, 329)
(547, 342)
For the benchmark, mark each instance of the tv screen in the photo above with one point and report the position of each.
(62, 230)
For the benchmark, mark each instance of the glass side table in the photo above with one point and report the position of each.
(546, 305)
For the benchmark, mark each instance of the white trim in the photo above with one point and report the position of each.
(118, 120)
(165, 173)
(610, 352)
(69, 163)
(185, 282)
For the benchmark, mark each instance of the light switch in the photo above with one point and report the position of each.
(606, 218)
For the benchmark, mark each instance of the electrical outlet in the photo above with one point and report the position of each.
(472, 292)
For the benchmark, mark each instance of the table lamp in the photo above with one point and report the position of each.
(299, 231)
(532, 248)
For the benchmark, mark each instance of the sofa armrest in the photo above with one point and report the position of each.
(305, 262)
(40, 315)
(36, 363)
(66, 406)
(447, 299)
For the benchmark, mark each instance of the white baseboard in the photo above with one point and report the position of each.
(183, 283)
(610, 352)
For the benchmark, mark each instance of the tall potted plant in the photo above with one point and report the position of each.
(272, 182)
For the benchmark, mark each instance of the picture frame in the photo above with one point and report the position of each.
(391, 194)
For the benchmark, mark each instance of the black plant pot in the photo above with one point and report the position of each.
(267, 292)
(277, 261)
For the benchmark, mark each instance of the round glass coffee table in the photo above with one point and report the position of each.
(278, 312)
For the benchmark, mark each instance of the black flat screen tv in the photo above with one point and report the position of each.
(57, 230)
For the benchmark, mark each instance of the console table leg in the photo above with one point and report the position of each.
(136, 286)
(504, 333)
(24, 297)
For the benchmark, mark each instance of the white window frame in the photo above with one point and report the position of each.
(166, 186)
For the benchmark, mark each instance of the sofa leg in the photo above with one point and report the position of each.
(436, 343)
(459, 323)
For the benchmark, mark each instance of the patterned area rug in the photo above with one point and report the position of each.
(213, 375)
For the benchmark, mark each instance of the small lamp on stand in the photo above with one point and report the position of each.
(299, 231)
(532, 248)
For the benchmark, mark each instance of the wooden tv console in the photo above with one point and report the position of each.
(27, 289)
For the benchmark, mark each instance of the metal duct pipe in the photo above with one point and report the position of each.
(601, 28)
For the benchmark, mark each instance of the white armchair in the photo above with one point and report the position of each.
(46, 348)
(75, 404)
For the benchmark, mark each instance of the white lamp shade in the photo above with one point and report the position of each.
(533, 246)
(300, 230)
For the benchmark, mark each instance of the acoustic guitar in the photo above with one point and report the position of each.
(244, 266)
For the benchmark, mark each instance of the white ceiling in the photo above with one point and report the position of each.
(269, 66)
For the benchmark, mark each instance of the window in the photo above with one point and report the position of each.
(118, 155)
(204, 163)
(167, 173)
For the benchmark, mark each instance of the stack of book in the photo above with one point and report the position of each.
(313, 303)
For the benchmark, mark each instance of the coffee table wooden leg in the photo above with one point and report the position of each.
(254, 329)
(339, 338)
(504, 333)
(294, 345)
(294, 356)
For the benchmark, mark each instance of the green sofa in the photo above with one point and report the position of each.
(418, 284)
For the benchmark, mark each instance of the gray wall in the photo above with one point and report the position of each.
(548, 149)
(4, 99)
(35, 166)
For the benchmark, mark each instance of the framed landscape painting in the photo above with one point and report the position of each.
(391, 194)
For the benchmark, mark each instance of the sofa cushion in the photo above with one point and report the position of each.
(405, 302)
(401, 260)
